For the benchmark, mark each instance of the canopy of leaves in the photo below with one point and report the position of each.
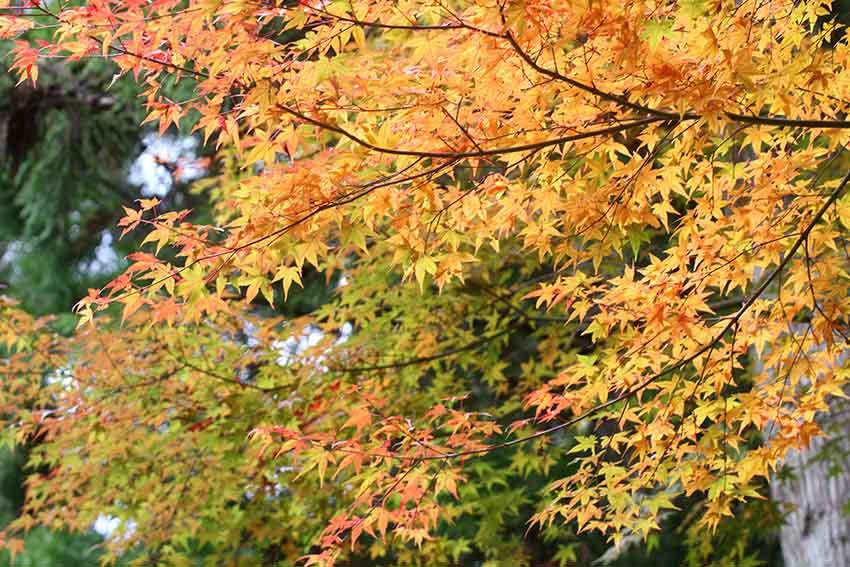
(542, 218)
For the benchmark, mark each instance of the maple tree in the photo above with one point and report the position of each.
(645, 193)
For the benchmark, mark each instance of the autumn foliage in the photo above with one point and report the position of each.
(559, 234)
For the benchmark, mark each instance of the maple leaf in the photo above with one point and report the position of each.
(359, 418)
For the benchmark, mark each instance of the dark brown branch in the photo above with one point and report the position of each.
(531, 146)
(625, 102)
(784, 122)
(621, 100)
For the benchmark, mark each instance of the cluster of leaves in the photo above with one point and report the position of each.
(548, 217)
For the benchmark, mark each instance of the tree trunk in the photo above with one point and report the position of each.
(816, 530)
